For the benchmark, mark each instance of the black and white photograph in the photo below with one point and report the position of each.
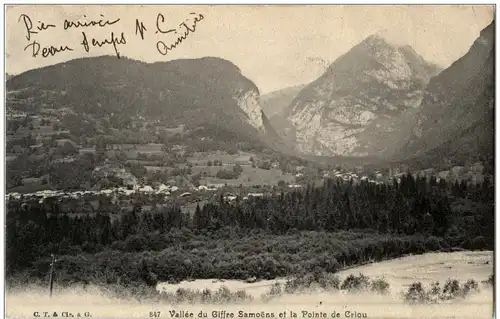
(249, 161)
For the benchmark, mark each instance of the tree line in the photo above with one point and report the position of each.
(461, 214)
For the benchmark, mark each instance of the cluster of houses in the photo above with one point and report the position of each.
(166, 190)
(351, 176)
(162, 189)
(231, 197)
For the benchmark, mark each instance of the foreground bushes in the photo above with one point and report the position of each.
(222, 296)
(490, 281)
(416, 293)
(451, 290)
(140, 293)
(327, 283)
(316, 282)
(380, 286)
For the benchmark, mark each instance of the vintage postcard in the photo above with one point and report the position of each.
(251, 161)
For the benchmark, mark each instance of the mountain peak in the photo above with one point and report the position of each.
(408, 48)
(363, 103)
(380, 54)
(378, 39)
(384, 39)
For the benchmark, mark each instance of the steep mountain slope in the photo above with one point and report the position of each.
(207, 91)
(285, 130)
(364, 104)
(456, 118)
(474, 144)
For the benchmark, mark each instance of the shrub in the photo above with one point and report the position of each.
(380, 286)
(221, 296)
(225, 174)
(355, 283)
(274, 292)
(490, 281)
(206, 296)
(415, 293)
(241, 296)
(299, 283)
(329, 282)
(181, 295)
(471, 286)
(434, 295)
(291, 286)
(451, 289)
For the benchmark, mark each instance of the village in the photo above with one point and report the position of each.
(154, 173)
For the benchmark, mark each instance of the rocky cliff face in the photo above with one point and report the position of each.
(364, 103)
(249, 103)
(458, 104)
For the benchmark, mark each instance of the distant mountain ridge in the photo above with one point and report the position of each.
(275, 102)
(192, 92)
(274, 105)
(364, 104)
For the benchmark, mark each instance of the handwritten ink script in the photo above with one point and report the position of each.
(167, 35)
(184, 29)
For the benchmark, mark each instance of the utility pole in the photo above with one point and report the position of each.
(51, 276)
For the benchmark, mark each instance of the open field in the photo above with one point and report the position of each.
(130, 150)
(430, 267)
(398, 272)
(251, 176)
(202, 158)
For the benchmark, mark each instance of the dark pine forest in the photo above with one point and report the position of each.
(322, 228)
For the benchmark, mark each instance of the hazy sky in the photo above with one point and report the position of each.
(274, 46)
